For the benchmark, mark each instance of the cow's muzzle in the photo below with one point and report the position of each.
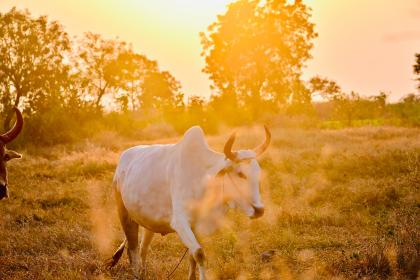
(258, 212)
(4, 192)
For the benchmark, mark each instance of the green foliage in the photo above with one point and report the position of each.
(416, 68)
(32, 62)
(254, 56)
(256, 50)
(407, 110)
(132, 71)
(97, 64)
(196, 112)
(343, 109)
(160, 91)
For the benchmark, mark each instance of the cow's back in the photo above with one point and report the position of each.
(142, 180)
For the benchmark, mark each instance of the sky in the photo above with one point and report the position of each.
(365, 46)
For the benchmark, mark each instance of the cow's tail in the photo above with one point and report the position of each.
(116, 257)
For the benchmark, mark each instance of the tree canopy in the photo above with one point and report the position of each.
(257, 49)
(97, 61)
(32, 61)
(416, 68)
(160, 90)
(131, 74)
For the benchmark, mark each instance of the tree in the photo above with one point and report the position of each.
(132, 70)
(99, 66)
(411, 98)
(257, 50)
(32, 67)
(196, 106)
(345, 105)
(327, 89)
(160, 91)
(225, 106)
(416, 68)
(380, 100)
(300, 100)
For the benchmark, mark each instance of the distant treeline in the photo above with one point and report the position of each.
(70, 88)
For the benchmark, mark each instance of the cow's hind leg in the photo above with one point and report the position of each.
(193, 265)
(131, 230)
(146, 238)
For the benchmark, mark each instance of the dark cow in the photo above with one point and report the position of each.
(6, 154)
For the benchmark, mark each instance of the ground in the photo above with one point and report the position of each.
(340, 204)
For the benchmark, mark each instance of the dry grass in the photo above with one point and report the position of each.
(341, 204)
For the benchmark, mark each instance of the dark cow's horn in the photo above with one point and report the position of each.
(228, 148)
(261, 149)
(15, 130)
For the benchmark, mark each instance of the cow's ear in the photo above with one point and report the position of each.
(9, 154)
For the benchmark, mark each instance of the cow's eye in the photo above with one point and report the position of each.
(6, 157)
(242, 175)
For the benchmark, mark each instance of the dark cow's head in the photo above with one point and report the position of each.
(6, 154)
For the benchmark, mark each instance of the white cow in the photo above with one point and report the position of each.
(156, 185)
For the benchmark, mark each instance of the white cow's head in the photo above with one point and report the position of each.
(243, 177)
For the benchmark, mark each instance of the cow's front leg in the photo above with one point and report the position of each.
(183, 228)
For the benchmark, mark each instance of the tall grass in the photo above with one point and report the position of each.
(340, 204)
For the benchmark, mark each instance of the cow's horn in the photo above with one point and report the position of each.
(261, 149)
(228, 148)
(15, 130)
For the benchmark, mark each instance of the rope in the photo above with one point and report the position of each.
(176, 267)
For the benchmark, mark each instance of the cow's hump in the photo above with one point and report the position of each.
(194, 138)
(195, 150)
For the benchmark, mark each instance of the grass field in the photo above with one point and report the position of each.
(340, 204)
